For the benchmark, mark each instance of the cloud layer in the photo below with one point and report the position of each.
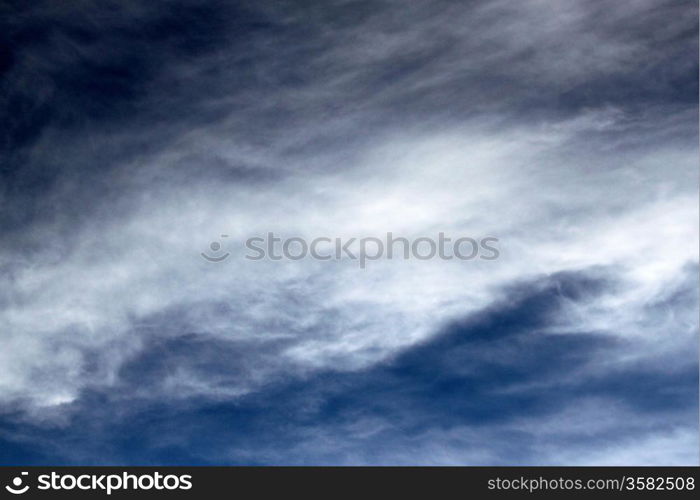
(137, 135)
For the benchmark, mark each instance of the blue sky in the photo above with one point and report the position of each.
(136, 134)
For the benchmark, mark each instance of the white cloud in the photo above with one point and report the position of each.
(553, 204)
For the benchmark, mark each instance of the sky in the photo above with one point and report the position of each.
(136, 133)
